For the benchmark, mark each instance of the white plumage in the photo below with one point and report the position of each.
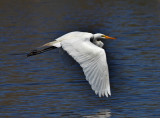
(89, 55)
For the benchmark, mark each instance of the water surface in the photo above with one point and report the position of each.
(42, 86)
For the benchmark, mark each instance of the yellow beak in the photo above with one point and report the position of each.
(107, 37)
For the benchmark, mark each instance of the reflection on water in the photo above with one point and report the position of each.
(42, 86)
(100, 114)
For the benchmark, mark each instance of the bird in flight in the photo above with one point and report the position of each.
(86, 49)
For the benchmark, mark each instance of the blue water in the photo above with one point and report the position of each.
(44, 86)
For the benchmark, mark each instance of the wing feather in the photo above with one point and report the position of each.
(92, 59)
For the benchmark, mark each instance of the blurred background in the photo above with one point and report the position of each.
(44, 86)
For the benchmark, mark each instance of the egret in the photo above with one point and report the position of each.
(86, 49)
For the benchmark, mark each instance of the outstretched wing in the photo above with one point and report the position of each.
(93, 61)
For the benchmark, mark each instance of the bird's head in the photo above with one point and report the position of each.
(102, 36)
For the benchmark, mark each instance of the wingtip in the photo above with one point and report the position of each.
(109, 91)
(103, 94)
(106, 93)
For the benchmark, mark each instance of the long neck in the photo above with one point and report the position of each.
(93, 40)
(97, 43)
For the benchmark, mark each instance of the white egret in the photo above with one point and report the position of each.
(86, 49)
